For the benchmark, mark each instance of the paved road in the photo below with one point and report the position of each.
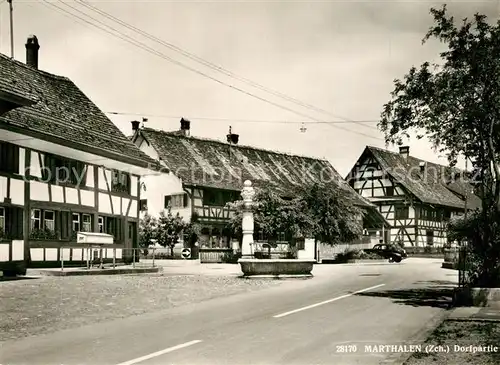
(299, 322)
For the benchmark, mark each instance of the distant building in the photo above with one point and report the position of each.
(64, 168)
(417, 197)
(204, 175)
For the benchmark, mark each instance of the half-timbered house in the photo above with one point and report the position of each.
(206, 174)
(417, 197)
(64, 168)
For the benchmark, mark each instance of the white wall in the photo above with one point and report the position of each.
(309, 250)
(156, 186)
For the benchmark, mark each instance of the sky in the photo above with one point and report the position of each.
(324, 61)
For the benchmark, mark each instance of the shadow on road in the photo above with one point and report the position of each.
(11, 278)
(439, 295)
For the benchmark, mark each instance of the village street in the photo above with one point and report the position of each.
(297, 321)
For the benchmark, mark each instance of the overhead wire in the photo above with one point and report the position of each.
(145, 47)
(270, 121)
(212, 65)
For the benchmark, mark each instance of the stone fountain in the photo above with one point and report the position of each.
(269, 268)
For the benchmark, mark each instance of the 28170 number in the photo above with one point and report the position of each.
(346, 348)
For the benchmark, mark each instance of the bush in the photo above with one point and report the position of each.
(231, 257)
(355, 254)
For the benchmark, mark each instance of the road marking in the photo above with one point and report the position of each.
(327, 301)
(158, 353)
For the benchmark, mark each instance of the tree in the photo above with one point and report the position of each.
(147, 231)
(192, 230)
(169, 229)
(273, 215)
(320, 211)
(334, 215)
(457, 105)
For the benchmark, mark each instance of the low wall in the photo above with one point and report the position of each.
(276, 268)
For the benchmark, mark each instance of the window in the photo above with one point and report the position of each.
(49, 220)
(219, 197)
(301, 244)
(389, 191)
(143, 205)
(76, 222)
(430, 238)
(9, 158)
(401, 212)
(281, 237)
(86, 223)
(59, 170)
(100, 224)
(447, 214)
(176, 201)
(120, 182)
(11, 222)
(36, 215)
(111, 226)
(2, 220)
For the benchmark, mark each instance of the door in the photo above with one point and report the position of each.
(131, 238)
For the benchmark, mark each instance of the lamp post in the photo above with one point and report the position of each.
(247, 224)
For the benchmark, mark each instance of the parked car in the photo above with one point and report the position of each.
(391, 252)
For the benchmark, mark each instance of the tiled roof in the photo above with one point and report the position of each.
(62, 111)
(436, 185)
(212, 163)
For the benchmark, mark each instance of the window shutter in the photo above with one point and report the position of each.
(20, 222)
(186, 200)
(65, 222)
(167, 200)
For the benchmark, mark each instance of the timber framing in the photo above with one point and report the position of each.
(416, 204)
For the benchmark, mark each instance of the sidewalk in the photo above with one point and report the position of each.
(480, 314)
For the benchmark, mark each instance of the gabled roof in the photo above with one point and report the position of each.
(437, 185)
(63, 114)
(212, 163)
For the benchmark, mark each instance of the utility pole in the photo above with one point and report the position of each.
(11, 12)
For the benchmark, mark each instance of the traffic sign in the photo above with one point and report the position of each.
(186, 253)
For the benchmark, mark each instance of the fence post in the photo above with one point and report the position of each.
(133, 257)
(62, 258)
(114, 257)
(88, 259)
(154, 248)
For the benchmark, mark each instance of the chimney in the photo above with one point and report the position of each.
(135, 125)
(404, 151)
(32, 48)
(422, 166)
(232, 138)
(185, 126)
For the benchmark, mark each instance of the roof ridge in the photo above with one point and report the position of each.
(32, 69)
(416, 158)
(175, 134)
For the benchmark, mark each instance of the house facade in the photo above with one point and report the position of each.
(64, 168)
(417, 197)
(204, 175)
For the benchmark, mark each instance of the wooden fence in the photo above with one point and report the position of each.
(213, 255)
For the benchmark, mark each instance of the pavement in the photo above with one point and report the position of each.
(480, 314)
(334, 318)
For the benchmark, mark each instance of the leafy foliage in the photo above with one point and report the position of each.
(147, 230)
(169, 228)
(457, 105)
(335, 218)
(323, 212)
